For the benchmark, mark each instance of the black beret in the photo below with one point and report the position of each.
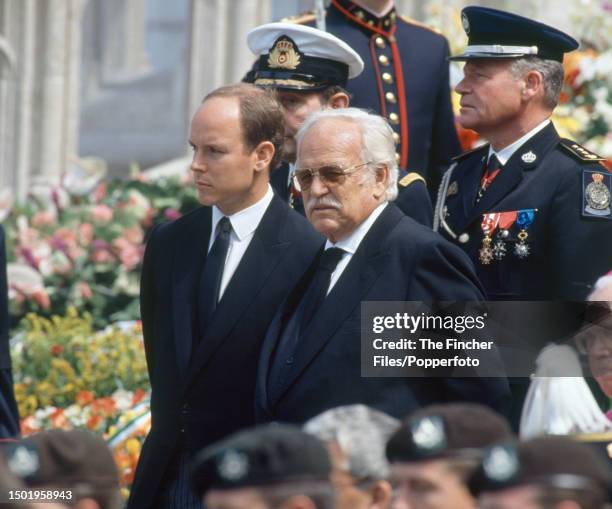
(439, 431)
(270, 454)
(498, 34)
(63, 458)
(547, 461)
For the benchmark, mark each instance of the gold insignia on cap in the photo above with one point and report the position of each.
(501, 463)
(23, 461)
(283, 55)
(383, 60)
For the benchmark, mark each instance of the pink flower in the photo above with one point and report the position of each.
(85, 233)
(129, 254)
(43, 218)
(101, 213)
(101, 256)
(84, 290)
(134, 234)
(172, 214)
(99, 193)
(41, 297)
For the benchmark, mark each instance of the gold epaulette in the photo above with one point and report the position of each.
(411, 178)
(419, 24)
(579, 152)
(301, 18)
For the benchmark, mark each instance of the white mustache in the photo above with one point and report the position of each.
(323, 201)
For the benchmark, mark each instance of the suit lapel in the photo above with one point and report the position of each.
(187, 265)
(357, 278)
(258, 263)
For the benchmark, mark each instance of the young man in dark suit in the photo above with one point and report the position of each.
(311, 357)
(210, 285)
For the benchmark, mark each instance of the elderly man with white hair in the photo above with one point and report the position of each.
(356, 436)
(311, 357)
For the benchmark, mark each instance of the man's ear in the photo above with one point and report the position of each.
(533, 84)
(382, 175)
(87, 503)
(338, 100)
(380, 495)
(264, 152)
(298, 502)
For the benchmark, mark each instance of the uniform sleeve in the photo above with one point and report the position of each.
(444, 142)
(414, 201)
(581, 247)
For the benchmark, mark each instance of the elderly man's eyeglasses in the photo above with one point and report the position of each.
(329, 175)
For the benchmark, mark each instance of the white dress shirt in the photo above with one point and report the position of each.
(351, 242)
(243, 224)
(506, 153)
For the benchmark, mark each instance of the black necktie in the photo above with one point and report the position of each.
(292, 331)
(210, 280)
(317, 290)
(492, 169)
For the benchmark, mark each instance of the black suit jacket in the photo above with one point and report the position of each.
(196, 401)
(398, 260)
(9, 417)
(569, 249)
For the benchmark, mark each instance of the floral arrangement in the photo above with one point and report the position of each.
(67, 247)
(68, 376)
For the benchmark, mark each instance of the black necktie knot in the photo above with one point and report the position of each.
(330, 259)
(493, 164)
(225, 226)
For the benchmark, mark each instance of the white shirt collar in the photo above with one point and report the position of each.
(351, 242)
(246, 220)
(506, 153)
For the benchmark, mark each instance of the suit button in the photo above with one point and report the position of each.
(387, 78)
(289, 361)
(383, 60)
(396, 137)
(380, 42)
(398, 158)
(185, 408)
(390, 97)
(394, 118)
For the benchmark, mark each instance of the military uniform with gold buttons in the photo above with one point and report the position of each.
(405, 79)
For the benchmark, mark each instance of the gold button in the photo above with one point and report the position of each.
(370, 22)
(360, 14)
(383, 60)
(394, 118)
(396, 137)
(387, 78)
(380, 42)
(390, 97)
(397, 158)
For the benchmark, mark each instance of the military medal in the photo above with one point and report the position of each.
(488, 225)
(524, 219)
(506, 220)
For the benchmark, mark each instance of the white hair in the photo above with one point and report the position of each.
(376, 139)
(361, 433)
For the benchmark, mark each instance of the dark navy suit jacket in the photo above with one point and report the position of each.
(9, 417)
(398, 260)
(196, 401)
